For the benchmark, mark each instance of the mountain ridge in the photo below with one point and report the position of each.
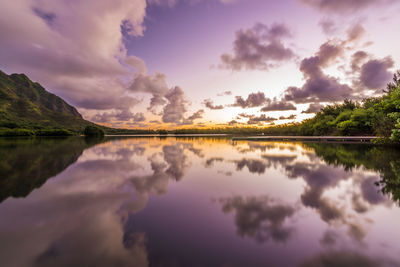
(27, 104)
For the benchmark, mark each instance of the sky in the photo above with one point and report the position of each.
(202, 63)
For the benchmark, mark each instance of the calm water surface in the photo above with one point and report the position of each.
(197, 202)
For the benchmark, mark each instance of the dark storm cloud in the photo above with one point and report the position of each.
(210, 104)
(260, 218)
(375, 73)
(342, 6)
(278, 106)
(313, 108)
(253, 100)
(259, 47)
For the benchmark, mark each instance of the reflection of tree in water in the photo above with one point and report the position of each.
(26, 164)
(260, 218)
(382, 159)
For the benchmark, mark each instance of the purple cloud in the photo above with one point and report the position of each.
(375, 73)
(210, 104)
(313, 108)
(278, 106)
(253, 100)
(259, 47)
(342, 6)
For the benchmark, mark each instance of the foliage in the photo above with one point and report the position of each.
(162, 132)
(382, 159)
(27, 163)
(93, 131)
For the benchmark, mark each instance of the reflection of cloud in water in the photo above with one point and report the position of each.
(318, 180)
(341, 258)
(329, 238)
(210, 162)
(259, 166)
(254, 165)
(260, 218)
(177, 161)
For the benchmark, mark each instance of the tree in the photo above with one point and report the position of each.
(91, 130)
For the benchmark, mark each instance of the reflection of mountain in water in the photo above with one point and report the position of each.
(26, 164)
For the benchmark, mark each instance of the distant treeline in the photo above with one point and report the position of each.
(378, 116)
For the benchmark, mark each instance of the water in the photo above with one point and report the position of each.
(197, 202)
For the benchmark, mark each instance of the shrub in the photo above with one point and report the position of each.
(17, 132)
(53, 132)
(93, 131)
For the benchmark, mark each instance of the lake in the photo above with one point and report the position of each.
(197, 201)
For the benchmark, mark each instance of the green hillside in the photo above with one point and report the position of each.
(27, 105)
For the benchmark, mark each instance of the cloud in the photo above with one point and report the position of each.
(189, 120)
(152, 84)
(171, 3)
(225, 93)
(355, 32)
(259, 47)
(260, 119)
(123, 115)
(253, 100)
(291, 117)
(328, 26)
(342, 6)
(375, 73)
(174, 111)
(254, 165)
(210, 104)
(356, 59)
(74, 49)
(320, 87)
(260, 218)
(136, 63)
(177, 161)
(313, 108)
(278, 106)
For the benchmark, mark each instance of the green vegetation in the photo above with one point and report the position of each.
(373, 116)
(27, 163)
(26, 108)
(93, 131)
(382, 159)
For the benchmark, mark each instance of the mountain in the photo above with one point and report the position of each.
(26, 104)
